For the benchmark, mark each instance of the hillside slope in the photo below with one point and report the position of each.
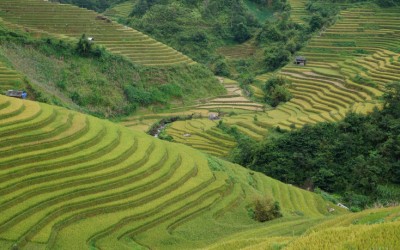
(69, 181)
(61, 20)
(348, 66)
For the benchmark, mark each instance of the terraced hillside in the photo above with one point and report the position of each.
(122, 10)
(373, 229)
(298, 11)
(347, 69)
(67, 21)
(201, 132)
(236, 52)
(9, 79)
(370, 229)
(70, 181)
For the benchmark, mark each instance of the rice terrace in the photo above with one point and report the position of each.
(171, 124)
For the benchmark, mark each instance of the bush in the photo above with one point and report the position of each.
(221, 68)
(275, 91)
(84, 46)
(265, 209)
(241, 32)
(276, 57)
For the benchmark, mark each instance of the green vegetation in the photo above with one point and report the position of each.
(76, 76)
(195, 28)
(96, 5)
(44, 19)
(265, 209)
(356, 157)
(275, 91)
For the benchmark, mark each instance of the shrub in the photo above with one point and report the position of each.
(275, 91)
(265, 209)
(276, 57)
(221, 68)
(241, 32)
(84, 46)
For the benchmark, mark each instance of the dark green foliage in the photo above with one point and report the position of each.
(323, 13)
(275, 90)
(84, 46)
(281, 39)
(221, 68)
(265, 209)
(97, 5)
(246, 146)
(316, 22)
(276, 57)
(388, 3)
(240, 32)
(196, 28)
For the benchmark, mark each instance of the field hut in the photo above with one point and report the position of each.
(17, 93)
(300, 60)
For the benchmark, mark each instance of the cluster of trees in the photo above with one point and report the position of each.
(388, 3)
(282, 38)
(195, 27)
(275, 90)
(357, 158)
(96, 5)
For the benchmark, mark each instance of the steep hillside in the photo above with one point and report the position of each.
(197, 28)
(375, 228)
(74, 181)
(348, 67)
(9, 78)
(57, 71)
(68, 21)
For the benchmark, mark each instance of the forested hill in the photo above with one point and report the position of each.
(96, 5)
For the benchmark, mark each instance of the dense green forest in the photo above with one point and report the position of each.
(357, 158)
(96, 5)
(196, 28)
(88, 78)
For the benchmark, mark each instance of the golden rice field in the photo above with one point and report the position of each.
(71, 181)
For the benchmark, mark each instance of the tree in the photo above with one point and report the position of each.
(275, 91)
(241, 32)
(392, 99)
(276, 57)
(265, 209)
(84, 46)
(221, 68)
(316, 22)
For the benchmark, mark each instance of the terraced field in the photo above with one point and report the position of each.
(347, 69)
(70, 181)
(201, 133)
(240, 51)
(370, 229)
(9, 79)
(122, 10)
(298, 11)
(68, 21)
